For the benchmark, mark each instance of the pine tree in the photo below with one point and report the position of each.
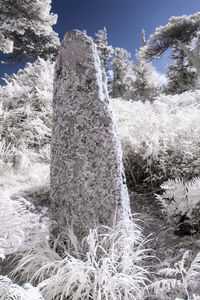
(181, 34)
(105, 51)
(26, 30)
(181, 29)
(193, 52)
(143, 39)
(122, 68)
(181, 75)
(145, 87)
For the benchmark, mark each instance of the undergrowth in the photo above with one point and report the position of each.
(181, 201)
(9, 290)
(180, 281)
(15, 220)
(160, 140)
(109, 264)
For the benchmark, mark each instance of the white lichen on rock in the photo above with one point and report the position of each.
(88, 185)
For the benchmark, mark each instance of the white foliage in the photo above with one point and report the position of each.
(9, 290)
(193, 52)
(145, 86)
(181, 277)
(2, 254)
(163, 134)
(107, 266)
(104, 50)
(179, 29)
(181, 198)
(26, 110)
(6, 45)
(122, 67)
(37, 76)
(18, 17)
(15, 220)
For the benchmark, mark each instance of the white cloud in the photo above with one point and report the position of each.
(110, 74)
(160, 78)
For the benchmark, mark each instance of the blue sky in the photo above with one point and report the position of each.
(124, 20)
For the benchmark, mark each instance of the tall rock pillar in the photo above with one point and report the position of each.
(88, 185)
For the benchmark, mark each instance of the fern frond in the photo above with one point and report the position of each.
(9, 290)
(184, 262)
(169, 272)
(183, 276)
(165, 285)
(194, 269)
(181, 198)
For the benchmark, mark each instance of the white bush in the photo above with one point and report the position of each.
(162, 138)
(26, 110)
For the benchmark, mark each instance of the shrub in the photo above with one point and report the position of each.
(160, 140)
(26, 111)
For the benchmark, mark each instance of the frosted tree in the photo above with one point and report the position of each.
(143, 39)
(181, 75)
(193, 52)
(26, 111)
(26, 30)
(105, 51)
(180, 35)
(122, 68)
(145, 86)
(181, 29)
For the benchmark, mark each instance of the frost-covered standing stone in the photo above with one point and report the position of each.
(87, 179)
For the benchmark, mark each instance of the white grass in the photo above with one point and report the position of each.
(109, 266)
